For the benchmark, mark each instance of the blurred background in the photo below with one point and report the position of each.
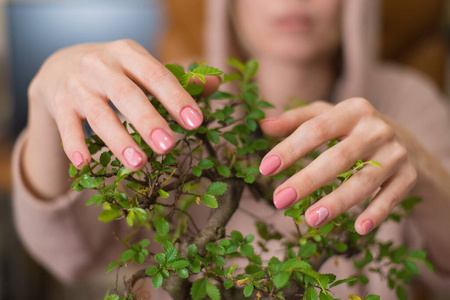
(416, 34)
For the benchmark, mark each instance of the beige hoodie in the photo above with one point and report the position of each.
(67, 239)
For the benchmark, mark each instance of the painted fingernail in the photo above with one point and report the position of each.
(268, 120)
(162, 140)
(191, 117)
(270, 165)
(77, 158)
(367, 226)
(318, 216)
(285, 198)
(132, 156)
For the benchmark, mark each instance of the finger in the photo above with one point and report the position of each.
(72, 136)
(131, 101)
(332, 124)
(358, 188)
(210, 86)
(328, 166)
(105, 123)
(141, 67)
(390, 194)
(289, 121)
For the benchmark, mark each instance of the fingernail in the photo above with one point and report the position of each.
(268, 120)
(270, 165)
(285, 198)
(132, 156)
(191, 117)
(77, 158)
(162, 140)
(318, 216)
(367, 225)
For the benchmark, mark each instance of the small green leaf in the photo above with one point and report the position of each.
(307, 250)
(163, 193)
(130, 218)
(192, 250)
(224, 171)
(212, 291)
(157, 280)
(374, 163)
(251, 67)
(210, 200)
(248, 290)
(216, 188)
(161, 258)
(176, 70)
(346, 280)
(230, 138)
(207, 71)
(72, 170)
(181, 263)
(410, 202)
(127, 255)
(205, 163)
(152, 270)
(280, 279)
(311, 294)
(326, 228)
(196, 171)
(260, 144)
(237, 236)
(401, 293)
(108, 215)
(96, 199)
(235, 63)
(162, 227)
(198, 289)
(105, 158)
(372, 297)
(228, 284)
(213, 136)
(144, 243)
(194, 89)
(247, 249)
(113, 265)
(177, 128)
(183, 273)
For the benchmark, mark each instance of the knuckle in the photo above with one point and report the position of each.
(123, 44)
(362, 105)
(91, 60)
(96, 112)
(322, 105)
(386, 132)
(155, 75)
(413, 177)
(399, 152)
(317, 130)
(368, 182)
(341, 156)
(308, 181)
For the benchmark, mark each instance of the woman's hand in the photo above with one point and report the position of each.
(365, 134)
(77, 83)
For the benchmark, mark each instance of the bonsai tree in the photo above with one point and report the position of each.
(211, 166)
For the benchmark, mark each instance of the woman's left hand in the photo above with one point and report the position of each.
(365, 135)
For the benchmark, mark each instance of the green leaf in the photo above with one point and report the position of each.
(105, 158)
(248, 290)
(235, 63)
(183, 273)
(230, 138)
(152, 270)
(127, 255)
(216, 188)
(228, 284)
(311, 294)
(139, 258)
(96, 199)
(247, 249)
(410, 202)
(251, 124)
(265, 104)
(108, 215)
(157, 280)
(324, 229)
(130, 218)
(307, 250)
(249, 238)
(401, 293)
(72, 170)
(181, 263)
(176, 70)
(210, 200)
(196, 171)
(411, 266)
(144, 243)
(207, 71)
(162, 227)
(280, 279)
(372, 297)
(169, 160)
(398, 253)
(251, 68)
(359, 264)
(163, 193)
(192, 250)
(231, 77)
(212, 291)
(198, 289)
(260, 144)
(177, 128)
(224, 171)
(346, 280)
(161, 258)
(341, 247)
(213, 136)
(417, 254)
(374, 163)
(205, 163)
(194, 89)
(237, 236)
(184, 79)
(113, 265)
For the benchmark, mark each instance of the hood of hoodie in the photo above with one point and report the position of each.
(359, 39)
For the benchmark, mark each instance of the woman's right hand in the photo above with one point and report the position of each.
(77, 83)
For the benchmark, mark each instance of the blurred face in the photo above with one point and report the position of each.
(294, 30)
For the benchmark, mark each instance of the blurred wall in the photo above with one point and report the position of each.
(4, 76)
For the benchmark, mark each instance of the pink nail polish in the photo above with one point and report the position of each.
(318, 216)
(285, 198)
(162, 140)
(132, 156)
(191, 117)
(77, 159)
(270, 165)
(367, 226)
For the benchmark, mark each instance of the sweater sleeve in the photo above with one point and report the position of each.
(62, 234)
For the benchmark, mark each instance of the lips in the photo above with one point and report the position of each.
(293, 23)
